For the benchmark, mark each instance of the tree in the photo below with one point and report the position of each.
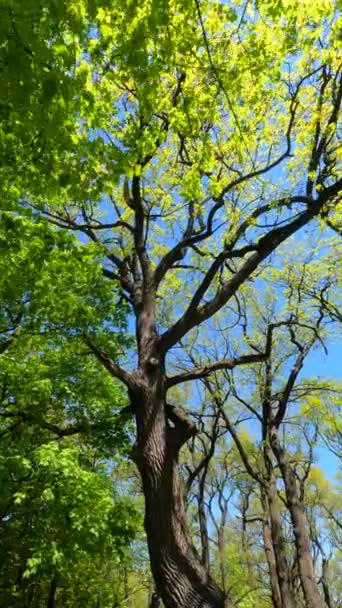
(201, 138)
(60, 419)
(293, 413)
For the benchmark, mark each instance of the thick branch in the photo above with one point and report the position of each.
(284, 395)
(183, 429)
(113, 368)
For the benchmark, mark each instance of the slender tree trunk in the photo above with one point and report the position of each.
(272, 499)
(220, 546)
(52, 592)
(181, 579)
(126, 586)
(324, 581)
(202, 518)
(244, 537)
(310, 589)
(270, 557)
(277, 557)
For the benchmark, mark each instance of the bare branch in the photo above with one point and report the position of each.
(195, 315)
(243, 454)
(190, 240)
(204, 371)
(113, 368)
(284, 395)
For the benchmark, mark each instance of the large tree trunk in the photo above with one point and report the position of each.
(181, 579)
(310, 589)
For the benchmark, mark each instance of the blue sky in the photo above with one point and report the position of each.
(326, 366)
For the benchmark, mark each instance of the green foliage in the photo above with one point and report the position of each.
(198, 102)
(61, 511)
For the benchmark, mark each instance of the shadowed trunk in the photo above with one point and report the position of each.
(52, 592)
(181, 579)
(154, 598)
(311, 593)
(155, 601)
(324, 581)
(202, 518)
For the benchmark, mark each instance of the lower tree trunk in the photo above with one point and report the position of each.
(52, 592)
(244, 536)
(270, 557)
(181, 579)
(324, 581)
(221, 558)
(126, 586)
(204, 532)
(154, 601)
(310, 589)
(287, 599)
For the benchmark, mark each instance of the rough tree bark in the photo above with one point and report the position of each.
(181, 578)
